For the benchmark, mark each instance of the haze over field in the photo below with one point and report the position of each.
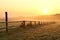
(55, 17)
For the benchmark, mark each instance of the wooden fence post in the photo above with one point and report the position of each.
(30, 23)
(24, 23)
(38, 22)
(6, 19)
(35, 23)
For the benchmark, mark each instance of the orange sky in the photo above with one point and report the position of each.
(17, 8)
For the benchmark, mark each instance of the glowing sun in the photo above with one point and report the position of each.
(45, 12)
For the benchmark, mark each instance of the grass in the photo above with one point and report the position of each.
(48, 31)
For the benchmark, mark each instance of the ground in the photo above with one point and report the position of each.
(44, 32)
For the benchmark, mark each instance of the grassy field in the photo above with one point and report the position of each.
(49, 31)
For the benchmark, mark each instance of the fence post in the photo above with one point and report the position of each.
(35, 23)
(24, 23)
(38, 22)
(30, 23)
(6, 19)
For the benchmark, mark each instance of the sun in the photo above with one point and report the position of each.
(45, 12)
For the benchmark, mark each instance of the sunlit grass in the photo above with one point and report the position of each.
(48, 31)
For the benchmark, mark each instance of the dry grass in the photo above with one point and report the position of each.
(43, 32)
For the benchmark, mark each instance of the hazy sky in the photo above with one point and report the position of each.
(17, 8)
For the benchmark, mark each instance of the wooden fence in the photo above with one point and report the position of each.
(23, 24)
